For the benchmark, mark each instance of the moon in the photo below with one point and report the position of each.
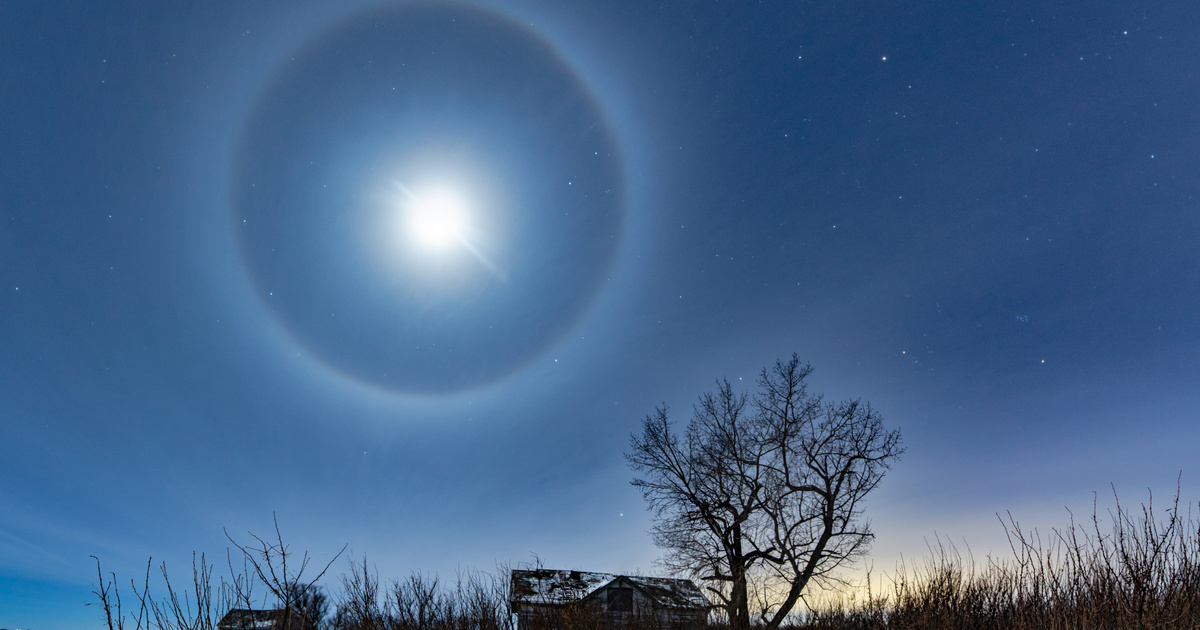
(436, 220)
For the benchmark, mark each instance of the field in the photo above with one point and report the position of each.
(1132, 568)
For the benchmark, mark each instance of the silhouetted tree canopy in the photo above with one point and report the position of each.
(311, 601)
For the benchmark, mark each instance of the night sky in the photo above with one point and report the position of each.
(218, 301)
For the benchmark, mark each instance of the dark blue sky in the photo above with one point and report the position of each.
(981, 217)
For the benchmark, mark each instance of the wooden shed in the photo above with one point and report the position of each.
(541, 597)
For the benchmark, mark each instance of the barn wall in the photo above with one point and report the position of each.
(645, 613)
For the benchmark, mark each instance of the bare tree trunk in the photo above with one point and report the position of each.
(739, 600)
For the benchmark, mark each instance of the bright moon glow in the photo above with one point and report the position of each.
(437, 219)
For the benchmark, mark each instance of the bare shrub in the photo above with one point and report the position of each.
(199, 608)
(476, 600)
(360, 607)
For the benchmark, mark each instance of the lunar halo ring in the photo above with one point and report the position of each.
(415, 95)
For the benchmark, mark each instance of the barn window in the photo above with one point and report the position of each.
(620, 600)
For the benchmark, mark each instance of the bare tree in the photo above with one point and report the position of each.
(269, 560)
(706, 493)
(763, 495)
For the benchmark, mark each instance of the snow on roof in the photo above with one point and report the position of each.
(671, 592)
(558, 587)
(552, 586)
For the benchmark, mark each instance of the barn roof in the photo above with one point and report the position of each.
(671, 592)
(552, 586)
(558, 587)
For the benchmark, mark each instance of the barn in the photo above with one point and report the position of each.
(541, 597)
